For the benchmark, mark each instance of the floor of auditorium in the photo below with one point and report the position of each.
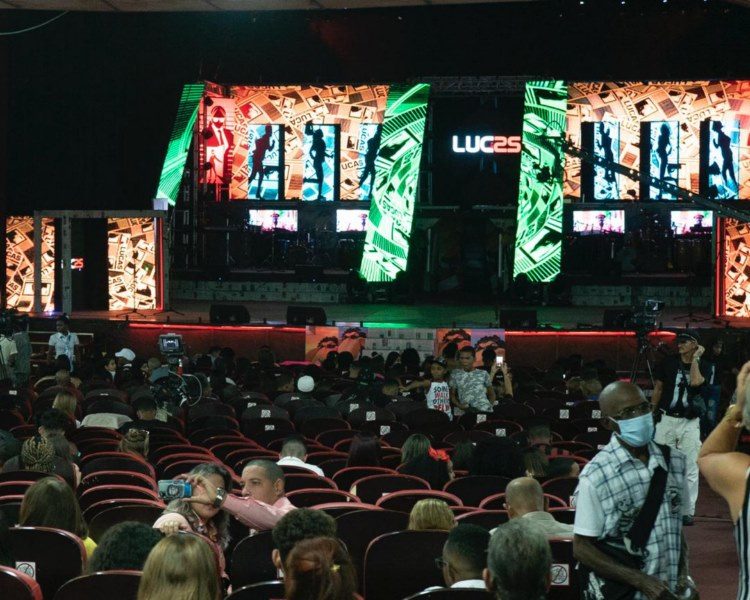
(713, 558)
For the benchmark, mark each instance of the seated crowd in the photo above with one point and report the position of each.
(269, 465)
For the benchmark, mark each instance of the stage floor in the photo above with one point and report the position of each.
(413, 315)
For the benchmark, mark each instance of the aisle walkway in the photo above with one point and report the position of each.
(713, 559)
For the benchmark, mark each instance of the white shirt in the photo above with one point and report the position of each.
(466, 584)
(293, 461)
(7, 349)
(64, 344)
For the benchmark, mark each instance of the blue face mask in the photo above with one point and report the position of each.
(638, 431)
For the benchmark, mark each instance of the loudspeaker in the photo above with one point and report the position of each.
(617, 319)
(228, 314)
(517, 319)
(305, 315)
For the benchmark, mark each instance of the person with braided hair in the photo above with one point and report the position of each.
(135, 441)
(319, 569)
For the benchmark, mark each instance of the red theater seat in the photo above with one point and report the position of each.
(115, 492)
(103, 584)
(497, 502)
(56, 555)
(265, 590)
(18, 586)
(346, 477)
(116, 478)
(359, 528)
(90, 513)
(14, 488)
(308, 498)
(563, 580)
(307, 481)
(562, 487)
(473, 489)
(489, 519)
(369, 489)
(23, 476)
(387, 578)
(336, 509)
(313, 428)
(105, 519)
(251, 560)
(405, 501)
(453, 594)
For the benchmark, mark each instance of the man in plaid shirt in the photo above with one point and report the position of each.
(611, 492)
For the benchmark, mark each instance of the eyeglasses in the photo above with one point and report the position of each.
(638, 410)
(440, 563)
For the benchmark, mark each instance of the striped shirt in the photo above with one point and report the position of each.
(742, 537)
(611, 491)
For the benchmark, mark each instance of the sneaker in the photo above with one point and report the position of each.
(687, 521)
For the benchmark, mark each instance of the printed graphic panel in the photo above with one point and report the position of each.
(320, 341)
(351, 107)
(540, 206)
(733, 269)
(664, 157)
(268, 220)
(179, 142)
(319, 148)
(392, 210)
(723, 159)
(691, 221)
(351, 220)
(606, 146)
(217, 140)
(595, 222)
(686, 103)
(265, 166)
(133, 266)
(19, 263)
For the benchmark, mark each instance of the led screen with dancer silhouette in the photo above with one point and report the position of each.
(264, 162)
(319, 181)
(724, 159)
(664, 159)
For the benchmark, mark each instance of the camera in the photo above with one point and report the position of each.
(170, 344)
(174, 489)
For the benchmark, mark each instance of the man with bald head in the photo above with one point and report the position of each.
(612, 491)
(524, 499)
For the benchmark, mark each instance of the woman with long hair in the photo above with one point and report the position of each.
(67, 403)
(181, 515)
(180, 567)
(319, 569)
(50, 502)
(415, 446)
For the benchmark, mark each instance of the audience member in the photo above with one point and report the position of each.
(519, 562)
(613, 487)
(208, 520)
(535, 463)
(415, 446)
(9, 447)
(50, 502)
(364, 451)
(464, 557)
(562, 466)
(64, 342)
(67, 403)
(431, 513)
(319, 569)
(39, 454)
(145, 408)
(436, 389)
(435, 468)
(298, 525)
(262, 502)
(463, 452)
(728, 471)
(471, 388)
(53, 422)
(135, 441)
(499, 456)
(294, 453)
(524, 499)
(180, 567)
(124, 546)
(679, 386)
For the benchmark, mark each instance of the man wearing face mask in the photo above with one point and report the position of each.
(679, 395)
(629, 507)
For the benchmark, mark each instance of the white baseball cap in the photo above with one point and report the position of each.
(127, 354)
(305, 384)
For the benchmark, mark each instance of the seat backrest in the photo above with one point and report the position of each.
(424, 416)
(117, 464)
(372, 487)
(22, 476)
(336, 509)
(562, 487)
(14, 488)
(114, 492)
(563, 580)
(17, 585)
(116, 478)
(10, 506)
(105, 519)
(265, 590)
(308, 497)
(453, 594)
(251, 560)
(254, 427)
(103, 505)
(53, 556)
(347, 476)
(313, 427)
(102, 584)
(405, 501)
(404, 577)
(264, 412)
(306, 481)
(362, 415)
(358, 528)
(473, 489)
(330, 437)
(489, 519)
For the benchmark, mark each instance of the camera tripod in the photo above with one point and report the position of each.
(642, 355)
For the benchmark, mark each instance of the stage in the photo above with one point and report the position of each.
(561, 331)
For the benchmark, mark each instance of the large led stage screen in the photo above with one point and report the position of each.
(674, 114)
(476, 150)
(598, 222)
(229, 150)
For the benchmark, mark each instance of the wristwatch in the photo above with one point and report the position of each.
(221, 495)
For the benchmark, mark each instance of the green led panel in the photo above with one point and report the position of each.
(179, 142)
(396, 174)
(540, 196)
